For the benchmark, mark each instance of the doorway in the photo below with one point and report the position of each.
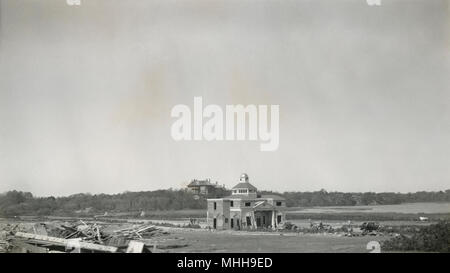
(258, 221)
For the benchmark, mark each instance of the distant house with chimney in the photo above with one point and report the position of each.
(246, 209)
(206, 188)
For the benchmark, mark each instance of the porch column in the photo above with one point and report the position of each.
(253, 220)
(273, 219)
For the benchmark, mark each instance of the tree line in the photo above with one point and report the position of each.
(324, 198)
(16, 203)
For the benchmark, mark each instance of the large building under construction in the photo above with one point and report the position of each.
(246, 209)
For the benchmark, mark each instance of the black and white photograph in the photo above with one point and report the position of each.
(224, 126)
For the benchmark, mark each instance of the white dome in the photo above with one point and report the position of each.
(244, 177)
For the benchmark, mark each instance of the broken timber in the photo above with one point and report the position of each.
(135, 247)
(65, 242)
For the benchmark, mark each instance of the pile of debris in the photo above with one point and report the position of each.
(139, 232)
(3, 243)
(88, 232)
(76, 237)
(320, 227)
(5, 233)
(349, 229)
(314, 227)
(366, 228)
(369, 228)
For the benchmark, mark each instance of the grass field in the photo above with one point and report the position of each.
(401, 212)
(409, 208)
(409, 211)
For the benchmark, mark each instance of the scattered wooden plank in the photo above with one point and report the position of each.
(66, 242)
(39, 229)
(135, 247)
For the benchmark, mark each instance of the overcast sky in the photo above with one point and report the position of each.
(86, 93)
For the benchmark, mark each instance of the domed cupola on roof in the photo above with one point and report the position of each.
(244, 187)
(244, 178)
